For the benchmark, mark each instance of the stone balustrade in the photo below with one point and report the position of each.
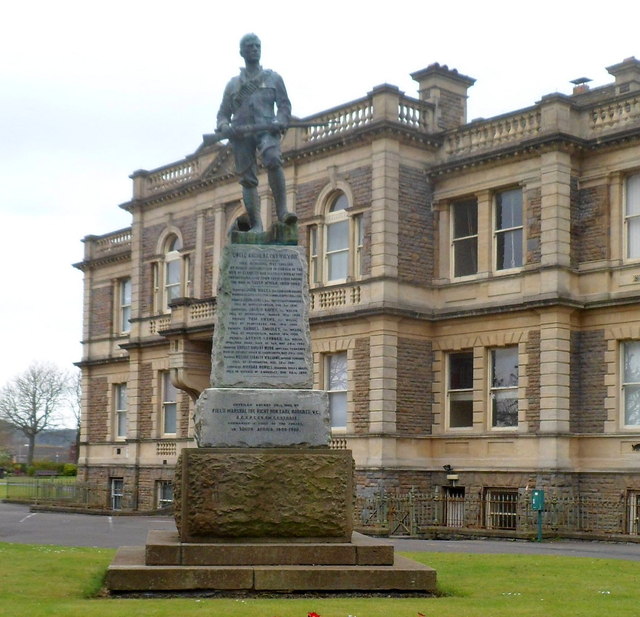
(384, 103)
(485, 135)
(100, 247)
(616, 115)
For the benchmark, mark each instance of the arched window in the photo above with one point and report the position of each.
(337, 239)
(171, 275)
(172, 269)
(335, 244)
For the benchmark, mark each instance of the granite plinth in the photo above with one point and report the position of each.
(261, 337)
(243, 417)
(266, 494)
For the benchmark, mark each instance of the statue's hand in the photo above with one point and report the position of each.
(227, 129)
(278, 127)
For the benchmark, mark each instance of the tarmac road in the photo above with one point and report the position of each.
(18, 524)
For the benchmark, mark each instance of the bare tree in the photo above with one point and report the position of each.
(75, 405)
(30, 402)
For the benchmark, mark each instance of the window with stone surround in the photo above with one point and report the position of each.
(171, 276)
(632, 216)
(169, 405)
(631, 383)
(508, 229)
(120, 410)
(503, 387)
(164, 494)
(116, 493)
(336, 243)
(124, 305)
(460, 389)
(335, 377)
(464, 237)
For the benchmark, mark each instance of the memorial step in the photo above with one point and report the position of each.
(164, 548)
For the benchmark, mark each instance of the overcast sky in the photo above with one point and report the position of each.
(90, 92)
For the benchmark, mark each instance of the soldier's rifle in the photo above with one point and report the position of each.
(209, 139)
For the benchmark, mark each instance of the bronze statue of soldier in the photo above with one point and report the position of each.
(254, 114)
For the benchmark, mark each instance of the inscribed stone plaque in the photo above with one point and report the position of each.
(239, 417)
(261, 338)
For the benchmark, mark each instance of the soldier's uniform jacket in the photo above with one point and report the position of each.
(252, 101)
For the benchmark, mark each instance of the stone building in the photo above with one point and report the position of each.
(474, 296)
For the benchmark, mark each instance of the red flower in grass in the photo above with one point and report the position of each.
(313, 614)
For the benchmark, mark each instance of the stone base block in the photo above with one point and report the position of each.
(164, 548)
(128, 573)
(260, 494)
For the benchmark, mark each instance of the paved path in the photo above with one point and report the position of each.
(18, 524)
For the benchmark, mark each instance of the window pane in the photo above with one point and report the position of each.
(121, 396)
(504, 373)
(173, 272)
(337, 264)
(125, 318)
(313, 240)
(174, 244)
(121, 429)
(465, 219)
(461, 371)
(505, 408)
(632, 362)
(632, 405)
(338, 409)
(170, 391)
(337, 372)
(341, 203)
(509, 209)
(461, 409)
(338, 236)
(633, 195)
(465, 257)
(169, 424)
(509, 249)
(633, 237)
(125, 292)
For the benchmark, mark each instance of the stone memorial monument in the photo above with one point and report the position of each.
(263, 504)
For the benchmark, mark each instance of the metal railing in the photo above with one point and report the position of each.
(499, 510)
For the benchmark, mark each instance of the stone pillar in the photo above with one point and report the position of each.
(555, 357)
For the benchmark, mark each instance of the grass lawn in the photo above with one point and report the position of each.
(57, 581)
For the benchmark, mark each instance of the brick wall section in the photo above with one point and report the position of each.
(98, 409)
(414, 397)
(587, 379)
(150, 237)
(209, 230)
(361, 374)
(101, 316)
(589, 224)
(533, 222)
(359, 180)
(533, 381)
(306, 197)
(415, 227)
(145, 401)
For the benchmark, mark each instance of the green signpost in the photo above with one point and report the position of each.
(537, 504)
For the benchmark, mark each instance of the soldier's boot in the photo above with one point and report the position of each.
(279, 191)
(252, 205)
